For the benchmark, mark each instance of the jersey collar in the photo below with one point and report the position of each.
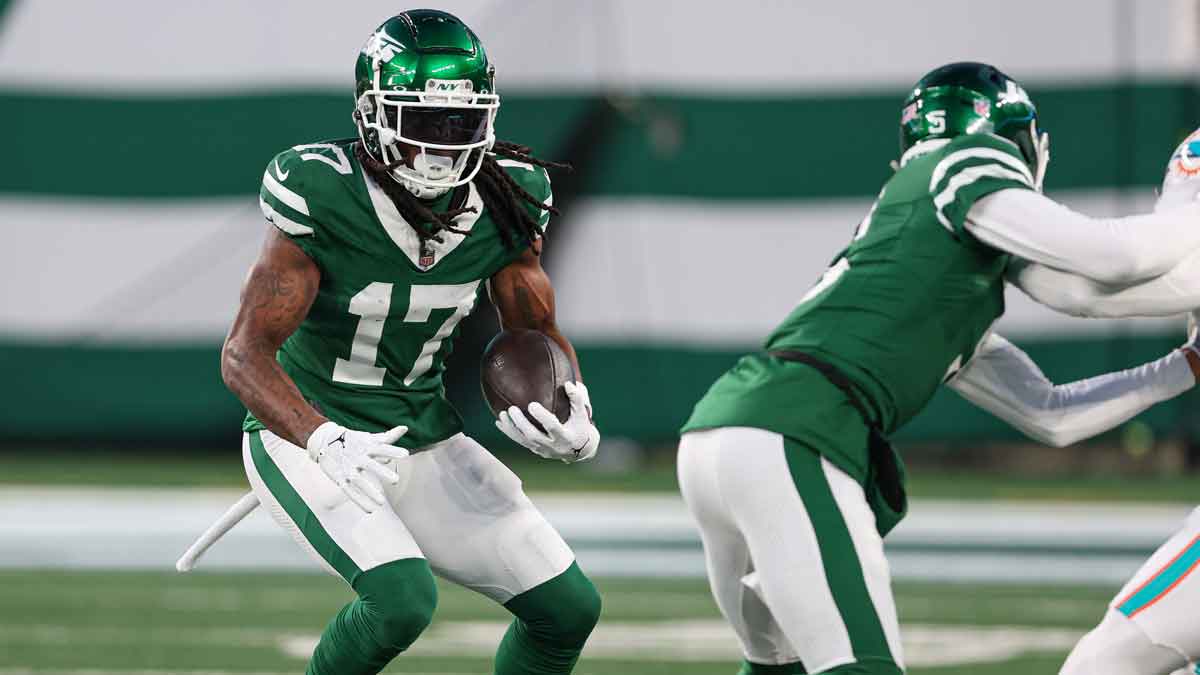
(405, 237)
(923, 148)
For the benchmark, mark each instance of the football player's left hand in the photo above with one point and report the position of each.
(575, 440)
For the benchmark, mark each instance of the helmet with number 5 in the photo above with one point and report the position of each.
(426, 100)
(974, 98)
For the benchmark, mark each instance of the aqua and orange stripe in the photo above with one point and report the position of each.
(1163, 581)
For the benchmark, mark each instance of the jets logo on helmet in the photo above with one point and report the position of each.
(974, 98)
(1185, 162)
(381, 46)
(425, 101)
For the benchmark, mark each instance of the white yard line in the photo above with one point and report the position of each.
(702, 640)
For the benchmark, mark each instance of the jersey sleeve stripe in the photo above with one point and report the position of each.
(544, 220)
(283, 194)
(968, 177)
(514, 163)
(947, 164)
(287, 225)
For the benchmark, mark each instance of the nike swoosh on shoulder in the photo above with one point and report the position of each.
(280, 173)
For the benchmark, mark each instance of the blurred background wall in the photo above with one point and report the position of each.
(724, 154)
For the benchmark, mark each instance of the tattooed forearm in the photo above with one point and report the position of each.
(524, 297)
(276, 298)
(524, 302)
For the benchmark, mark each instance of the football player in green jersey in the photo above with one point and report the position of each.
(377, 249)
(785, 462)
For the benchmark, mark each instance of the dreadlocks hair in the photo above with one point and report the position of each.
(502, 196)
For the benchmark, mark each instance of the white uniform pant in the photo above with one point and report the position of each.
(1153, 624)
(794, 560)
(461, 509)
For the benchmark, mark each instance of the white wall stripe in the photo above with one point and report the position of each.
(677, 272)
(147, 45)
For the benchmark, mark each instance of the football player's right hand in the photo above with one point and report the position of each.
(351, 460)
(1191, 349)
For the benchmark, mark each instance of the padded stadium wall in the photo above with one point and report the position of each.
(747, 145)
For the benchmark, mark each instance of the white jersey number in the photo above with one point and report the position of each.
(371, 305)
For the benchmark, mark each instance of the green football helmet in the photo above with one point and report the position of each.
(974, 98)
(426, 100)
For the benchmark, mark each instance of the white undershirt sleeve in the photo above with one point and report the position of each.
(1114, 250)
(1175, 292)
(1004, 381)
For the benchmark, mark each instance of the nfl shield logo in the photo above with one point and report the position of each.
(983, 107)
(426, 259)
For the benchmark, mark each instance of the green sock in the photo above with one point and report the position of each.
(552, 624)
(395, 603)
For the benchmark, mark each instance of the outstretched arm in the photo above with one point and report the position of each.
(524, 298)
(1175, 292)
(1118, 251)
(276, 297)
(1003, 380)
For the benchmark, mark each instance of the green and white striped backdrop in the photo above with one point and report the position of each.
(750, 141)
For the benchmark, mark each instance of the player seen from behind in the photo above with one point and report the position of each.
(785, 462)
(378, 247)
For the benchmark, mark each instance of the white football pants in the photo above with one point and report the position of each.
(794, 560)
(461, 509)
(1152, 626)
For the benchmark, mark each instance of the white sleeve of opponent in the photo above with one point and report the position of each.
(1175, 292)
(1004, 381)
(1109, 250)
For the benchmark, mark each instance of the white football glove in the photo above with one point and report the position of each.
(351, 460)
(575, 440)
(1193, 332)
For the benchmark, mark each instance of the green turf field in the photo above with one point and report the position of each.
(172, 469)
(105, 623)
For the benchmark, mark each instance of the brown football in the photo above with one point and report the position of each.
(523, 366)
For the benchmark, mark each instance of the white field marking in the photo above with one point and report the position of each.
(52, 634)
(229, 600)
(925, 645)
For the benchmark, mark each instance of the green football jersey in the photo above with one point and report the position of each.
(899, 311)
(371, 353)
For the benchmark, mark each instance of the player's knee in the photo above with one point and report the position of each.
(403, 618)
(562, 611)
(574, 622)
(1118, 647)
(402, 599)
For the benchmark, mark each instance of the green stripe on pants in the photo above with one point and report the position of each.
(842, 568)
(298, 511)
